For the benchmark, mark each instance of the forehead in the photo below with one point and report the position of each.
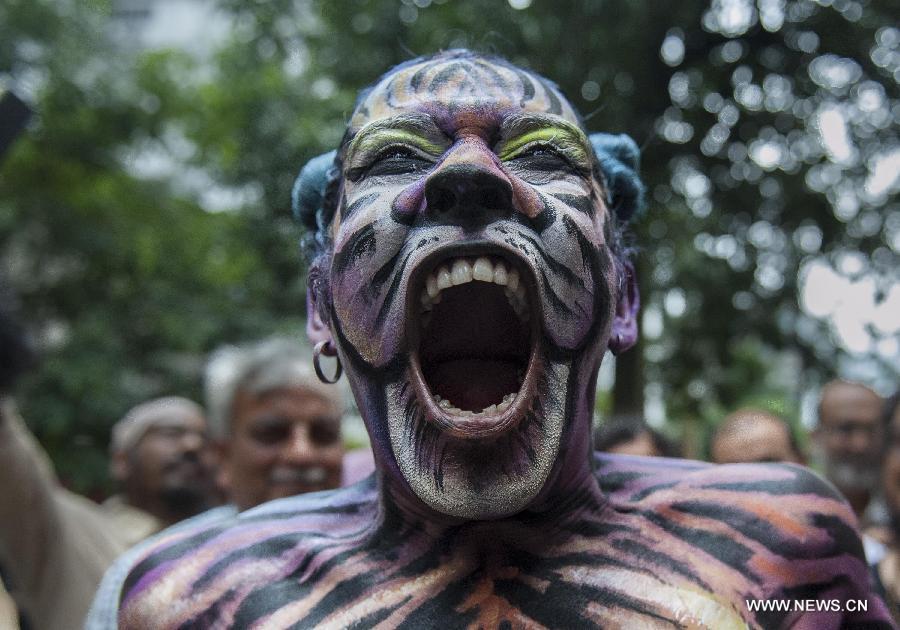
(186, 420)
(297, 400)
(450, 88)
(850, 401)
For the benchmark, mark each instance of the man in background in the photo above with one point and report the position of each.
(277, 428)
(754, 436)
(886, 568)
(849, 436)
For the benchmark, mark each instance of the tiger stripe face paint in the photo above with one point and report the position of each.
(470, 269)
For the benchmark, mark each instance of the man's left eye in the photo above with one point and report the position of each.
(397, 161)
(542, 156)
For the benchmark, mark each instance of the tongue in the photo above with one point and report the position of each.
(473, 384)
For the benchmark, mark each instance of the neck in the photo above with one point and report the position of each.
(163, 510)
(570, 495)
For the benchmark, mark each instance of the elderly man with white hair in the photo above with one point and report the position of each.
(277, 427)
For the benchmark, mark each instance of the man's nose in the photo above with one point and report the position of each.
(859, 442)
(299, 448)
(192, 442)
(468, 190)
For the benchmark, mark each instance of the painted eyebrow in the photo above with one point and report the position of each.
(519, 131)
(418, 129)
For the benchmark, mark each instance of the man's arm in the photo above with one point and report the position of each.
(29, 520)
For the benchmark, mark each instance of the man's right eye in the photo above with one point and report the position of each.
(270, 433)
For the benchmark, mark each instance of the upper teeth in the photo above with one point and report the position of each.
(462, 270)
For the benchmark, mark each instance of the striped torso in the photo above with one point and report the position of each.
(676, 544)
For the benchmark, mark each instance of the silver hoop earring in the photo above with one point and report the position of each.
(327, 348)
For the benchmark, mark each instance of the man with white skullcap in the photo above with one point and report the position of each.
(160, 456)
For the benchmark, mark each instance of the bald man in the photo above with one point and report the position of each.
(754, 436)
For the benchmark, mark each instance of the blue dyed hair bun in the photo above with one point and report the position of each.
(308, 194)
(619, 159)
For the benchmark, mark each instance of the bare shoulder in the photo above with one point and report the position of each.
(702, 488)
(751, 532)
(259, 546)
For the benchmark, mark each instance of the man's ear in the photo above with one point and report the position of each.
(316, 329)
(119, 468)
(222, 450)
(624, 332)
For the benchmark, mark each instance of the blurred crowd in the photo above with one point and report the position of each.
(855, 444)
(269, 428)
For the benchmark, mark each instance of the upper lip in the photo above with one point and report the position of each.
(514, 413)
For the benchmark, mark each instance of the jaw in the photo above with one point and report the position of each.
(475, 421)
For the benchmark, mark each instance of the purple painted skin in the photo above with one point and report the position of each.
(469, 271)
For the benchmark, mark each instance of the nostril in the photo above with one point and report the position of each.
(493, 199)
(443, 200)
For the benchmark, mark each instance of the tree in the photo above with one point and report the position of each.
(125, 282)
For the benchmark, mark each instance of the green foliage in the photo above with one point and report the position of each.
(127, 283)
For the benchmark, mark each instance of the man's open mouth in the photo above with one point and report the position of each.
(473, 327)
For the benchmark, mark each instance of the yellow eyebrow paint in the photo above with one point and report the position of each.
(565, 140)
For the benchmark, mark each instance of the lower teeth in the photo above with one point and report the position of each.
(500, 407)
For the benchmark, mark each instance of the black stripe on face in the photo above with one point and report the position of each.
(543, 220)
(392, 290)
(448, 73)
(527, 87)
(499, 79)
(554, 265)
(555, 105)
(555, 301)
(362, 243)
(350, 210)
(416, 79)
(587, 249)
(581, 203)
